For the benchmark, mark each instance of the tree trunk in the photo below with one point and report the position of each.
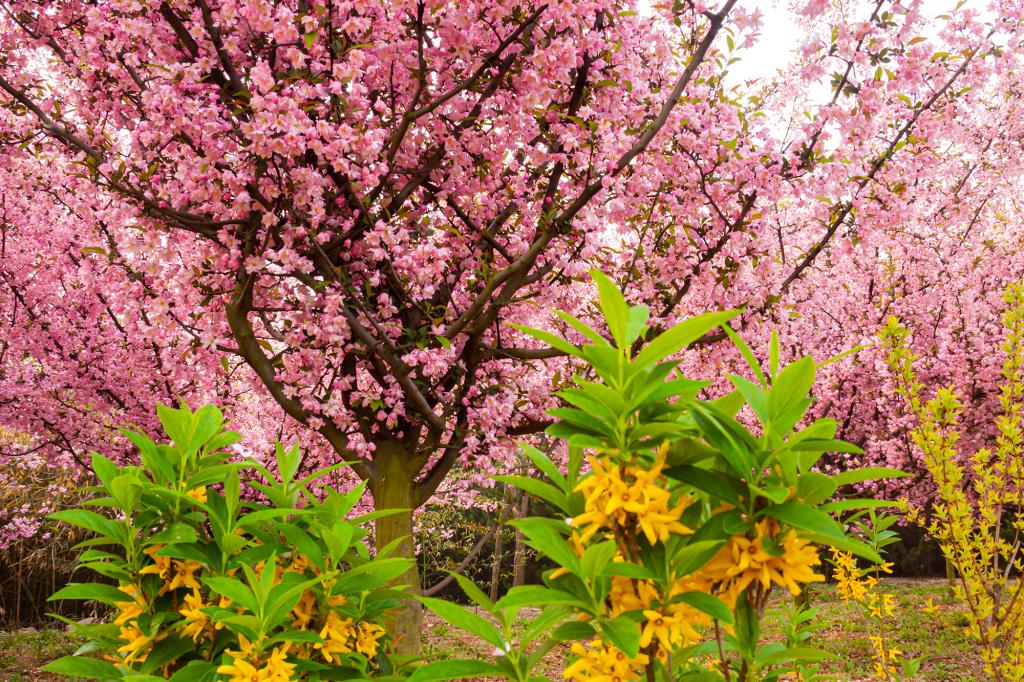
(499, 537)
(392, 488)
(519, 553)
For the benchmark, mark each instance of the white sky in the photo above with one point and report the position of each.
(780, 35)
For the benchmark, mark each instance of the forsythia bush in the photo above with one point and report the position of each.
(684, 523)
(977, 515)
(863, 587)
(212, 587)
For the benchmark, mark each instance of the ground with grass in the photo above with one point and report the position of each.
(938, 638)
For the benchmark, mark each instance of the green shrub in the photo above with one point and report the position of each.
(668, 548)
(209, 585)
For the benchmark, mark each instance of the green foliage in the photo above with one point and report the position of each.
(212, 585)
(686, 520)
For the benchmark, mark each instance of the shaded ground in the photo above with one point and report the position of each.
(940, 639)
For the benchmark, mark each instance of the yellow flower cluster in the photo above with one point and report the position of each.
(887, 659)
(136, 645)
(198, 623)
(744, 560)
(601, 662)
(247, 666)
(669, 623)
(342, 636)
(624, 501)
(855, 584)
(630, 496)
(174, 573)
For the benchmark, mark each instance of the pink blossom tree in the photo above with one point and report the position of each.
(353, 198)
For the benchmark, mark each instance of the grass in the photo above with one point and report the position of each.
(23, 651)
(940, 640)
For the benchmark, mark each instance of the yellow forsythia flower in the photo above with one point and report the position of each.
(247, 668)
(130, 610)
(136, 644)
(600, 662)
(196, 621)
(337, 633)
(743, 561)
(161, 565)
(366, 639)
(304, 611)
(198, 494)
(616, 496)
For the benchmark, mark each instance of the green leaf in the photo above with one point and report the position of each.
(624, 633)
(127, 490)
(807, 518)
(820, 528)
(544, 491)
(466, 620)
(206, 423)
(679, 336)
(544, 464)
(791, 386)
(165, 651)
(287, 461)
(730, 438)
(235, 590)
(196, 671)
(691, 557)
(556, 342)
(178, 532)
(455, 670)
(582, 328)
(107, 594)
(773, 355)
(827, 445)
(628, 570)
(581, 420)
(752, 393)
(310, 39)
(638, 315)
(177, 424)
(614, 307)
(715, 484)
(596, 557)
(535, 595)
(473, 591)
(814, 487)
(709, 604)
(549, 542)
(83, 666)
(856, 503)
(747, 354)
(89, 520)
(104, 468)
(302, 541)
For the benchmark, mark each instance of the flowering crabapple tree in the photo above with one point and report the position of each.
(352, 198)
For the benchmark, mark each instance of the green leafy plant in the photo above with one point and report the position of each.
(685, 520)
(208, 584)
